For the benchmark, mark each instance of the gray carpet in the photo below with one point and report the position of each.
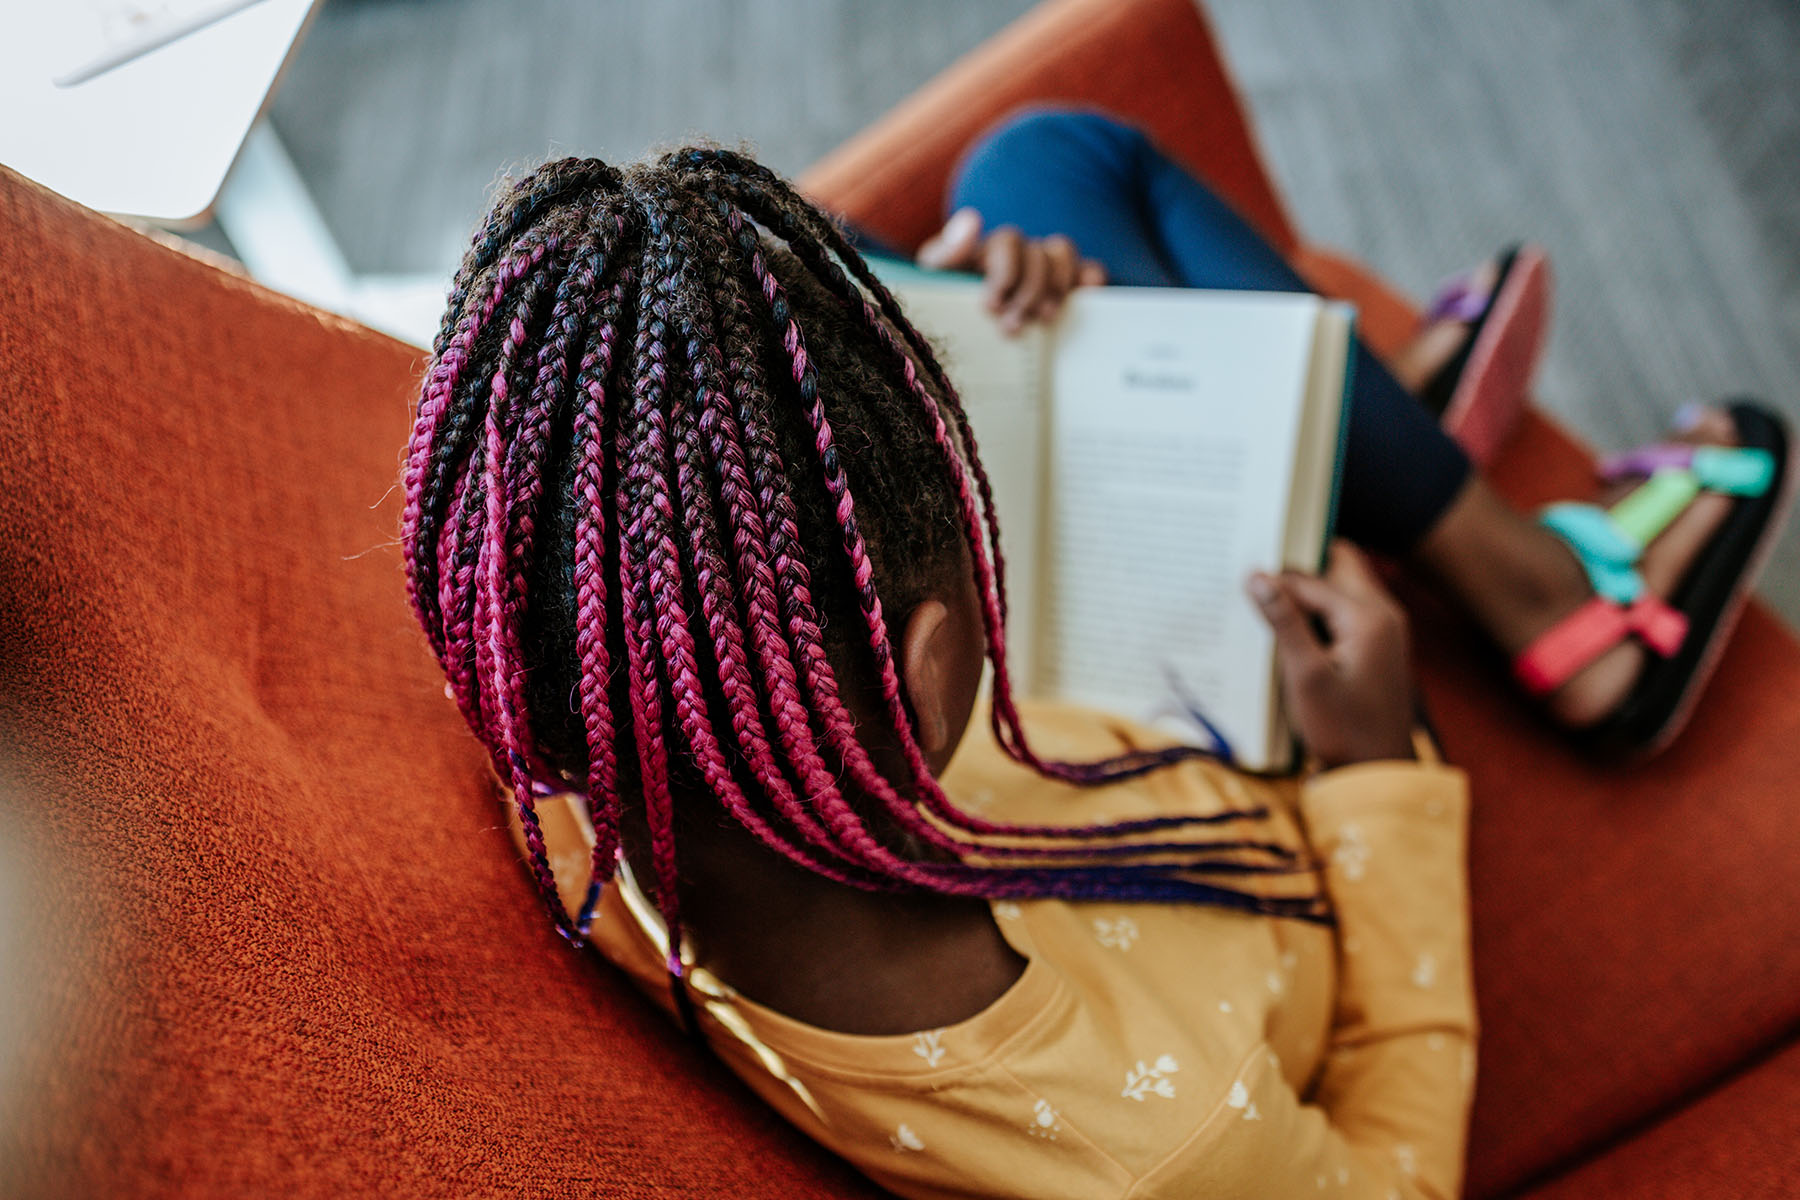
(1652, 145)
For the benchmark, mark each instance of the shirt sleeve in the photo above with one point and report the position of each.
(1399, 1072)
(1387, 1116)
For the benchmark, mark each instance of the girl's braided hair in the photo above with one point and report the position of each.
(678, 462)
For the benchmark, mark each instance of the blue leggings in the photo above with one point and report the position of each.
(1103, 185)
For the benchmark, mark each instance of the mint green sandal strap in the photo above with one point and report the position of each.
(1606, 552)
(1734, 470)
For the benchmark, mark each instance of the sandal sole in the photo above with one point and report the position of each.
(1494, 387)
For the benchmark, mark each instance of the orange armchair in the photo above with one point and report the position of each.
(273, 935)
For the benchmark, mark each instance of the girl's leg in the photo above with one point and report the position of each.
(1107, 188)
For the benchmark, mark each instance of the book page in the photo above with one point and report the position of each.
(1003, 384)
(1172, 442)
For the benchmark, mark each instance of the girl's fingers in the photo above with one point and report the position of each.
(1321, 597)
(1034, 273)
(956, 246)
(1303, 658)
(1062, 264)
(1002, 263)
(1024, 280)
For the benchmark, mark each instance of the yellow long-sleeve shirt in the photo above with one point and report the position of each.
(1153, 1050)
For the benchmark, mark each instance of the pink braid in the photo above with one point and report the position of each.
(440, 384)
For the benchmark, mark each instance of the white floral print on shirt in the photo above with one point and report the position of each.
(1352, 853)
(1143, 1081)
(1115, 935)
(1239, 1098)
(929, 1046)
(1424, 972)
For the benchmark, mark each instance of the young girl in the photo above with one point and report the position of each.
(697, 529)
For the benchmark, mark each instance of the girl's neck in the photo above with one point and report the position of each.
(824, 952)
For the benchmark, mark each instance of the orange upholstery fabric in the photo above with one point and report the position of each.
(1737, 1142)
(291, 953)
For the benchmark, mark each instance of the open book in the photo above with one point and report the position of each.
(1147, 452)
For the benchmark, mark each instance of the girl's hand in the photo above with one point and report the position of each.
(1349, 692)
(1026, 280)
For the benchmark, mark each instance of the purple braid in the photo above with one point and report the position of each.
(557, 371)
(652, 582)
(503, 541)
(507, 536)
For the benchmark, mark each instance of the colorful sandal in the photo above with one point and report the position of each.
(1479, 394)
(1685, 634)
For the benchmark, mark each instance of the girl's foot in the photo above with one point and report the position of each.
(1442, 335)
(1520, 580)
(1596, 692)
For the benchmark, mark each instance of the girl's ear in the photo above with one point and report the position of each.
(930, 671)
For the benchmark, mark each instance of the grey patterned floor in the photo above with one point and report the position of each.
(1652, 145)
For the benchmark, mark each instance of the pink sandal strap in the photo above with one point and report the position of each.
(1596, 627)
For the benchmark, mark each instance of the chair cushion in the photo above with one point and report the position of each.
(1742, 1139)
